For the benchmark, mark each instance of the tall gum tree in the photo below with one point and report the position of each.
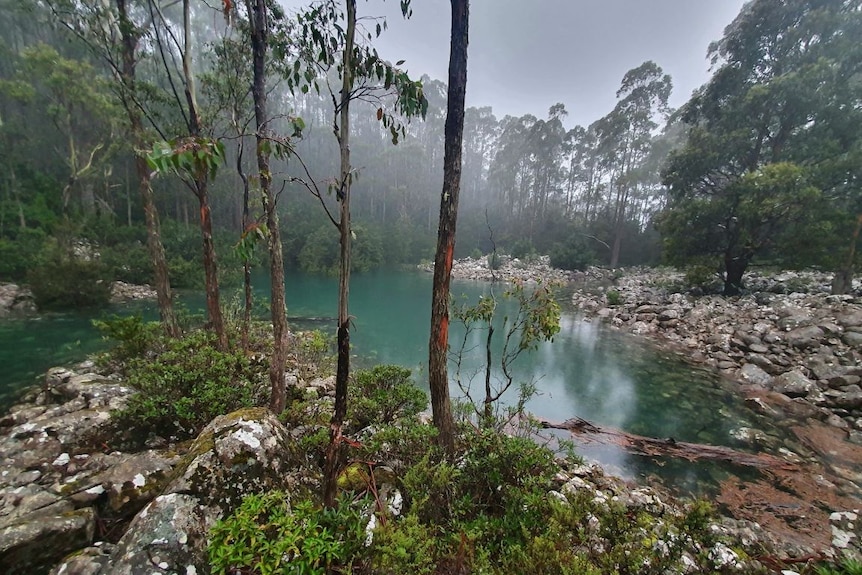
(763, 149)
(329, 45)
(438, 346)
(113, 34)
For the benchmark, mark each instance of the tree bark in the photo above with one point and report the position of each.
(259, 33)
(734, 269)
(151, 214)
(201, 191)
(842, 283)
(342, 372)
(454, 132)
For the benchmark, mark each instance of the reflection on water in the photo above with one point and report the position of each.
(588, 371)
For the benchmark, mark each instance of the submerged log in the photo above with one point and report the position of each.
(652, 447)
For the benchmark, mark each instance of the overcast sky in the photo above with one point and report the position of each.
(526, 55)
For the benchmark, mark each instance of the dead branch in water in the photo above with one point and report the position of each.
(652, 447)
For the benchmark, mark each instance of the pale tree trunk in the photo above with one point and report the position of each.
(342, 372)
(438, 347)
(259, 31)
(151, 214)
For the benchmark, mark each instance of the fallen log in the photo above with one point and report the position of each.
(653, 447)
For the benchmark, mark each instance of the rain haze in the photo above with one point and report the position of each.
(526, 56)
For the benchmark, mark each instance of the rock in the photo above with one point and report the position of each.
(845, 529)
(753, 374)
(87, 561)
(804, 337)
(31, 546)
(852, 338)
(793, 384)
(168, 536)
(247, 451)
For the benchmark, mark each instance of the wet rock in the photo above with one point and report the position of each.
(14, 298)
(31, 546)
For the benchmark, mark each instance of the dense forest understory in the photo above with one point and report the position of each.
(181, 144)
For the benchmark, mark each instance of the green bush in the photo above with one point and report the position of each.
(523, 250)
(494, 261)
(573, 254)
(133, 335)
(130, 263)
(320, 253)
(382, 395)
(614, 297)
(18, 255)
(61, 281)
(267, 535)
(187, 385)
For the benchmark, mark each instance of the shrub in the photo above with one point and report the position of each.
(494, 261)
(64, 282)
(383, 394)
(268, 535)
(18, 255)
(614, 297)
(573, 254)
(523, 249)
(133, 335)
(187, 385)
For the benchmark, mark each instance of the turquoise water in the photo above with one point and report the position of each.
(588, 371)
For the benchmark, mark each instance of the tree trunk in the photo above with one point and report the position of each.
(216, 319)
(842, 283)
(201, 191)
(151, 214)
(438, 346)
(259, 32)
(734, 269)
(342, 373)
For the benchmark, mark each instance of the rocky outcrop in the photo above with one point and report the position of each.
(533, 270)
(803, 345)
(15, 299)
(122, 291)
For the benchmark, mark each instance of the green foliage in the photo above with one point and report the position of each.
(848, 566)
(494, 261)
(132, 334)
(61, 280)
(320, 252)
(18, 255)
(573, 254)
(383, 395)
(523, 249)
(268, 535)
(186, 385)
(614, 297)
(195, 157)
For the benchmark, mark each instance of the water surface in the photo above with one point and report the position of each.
(588, 371)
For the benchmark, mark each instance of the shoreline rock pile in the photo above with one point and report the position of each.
(531, 270)
(15, 299)
(802, 344)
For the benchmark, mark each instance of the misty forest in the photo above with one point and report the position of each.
(644, 352)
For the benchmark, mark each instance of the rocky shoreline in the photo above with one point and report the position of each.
(788, 335)
(18, 300)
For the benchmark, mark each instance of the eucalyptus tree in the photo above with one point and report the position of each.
(194, 155)
(332, 53)
(120, 33)
(761, 135)
(438, 346)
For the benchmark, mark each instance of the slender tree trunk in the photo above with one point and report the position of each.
(259, 32)
(454, 132)
(342, 372)
(842, 283)
(202, 192)
(734, 269)
(151, 214)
